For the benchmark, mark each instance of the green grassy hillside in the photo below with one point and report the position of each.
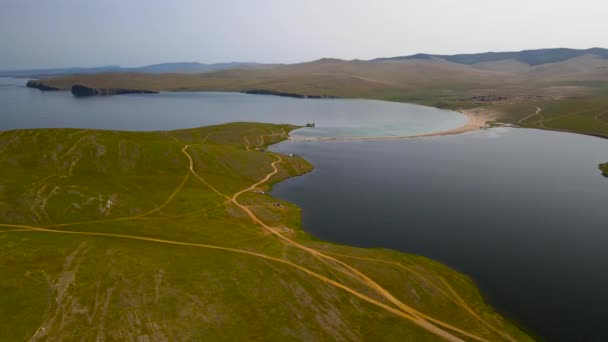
(110, 235)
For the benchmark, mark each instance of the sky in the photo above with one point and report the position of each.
(62, 33)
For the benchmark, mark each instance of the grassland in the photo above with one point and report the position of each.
(110, 235)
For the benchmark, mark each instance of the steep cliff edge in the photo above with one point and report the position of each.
(83, 91)
(604, 169)
(39, 85)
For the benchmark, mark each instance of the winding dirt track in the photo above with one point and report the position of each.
(401, 310)
(538, 110)
(420, 317)
(598, 116)
(235, 250)
(447, 290)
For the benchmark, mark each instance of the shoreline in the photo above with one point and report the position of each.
(322, 247)
(478, 119)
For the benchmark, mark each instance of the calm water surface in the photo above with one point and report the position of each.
(524, 212)
(521, 211)
(22, 107)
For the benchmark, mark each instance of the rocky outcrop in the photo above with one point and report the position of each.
(83, 91)
(285, 94)
(604, 169)
(40, 85)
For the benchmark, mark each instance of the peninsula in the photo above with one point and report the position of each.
(84, 91)
(190, 245)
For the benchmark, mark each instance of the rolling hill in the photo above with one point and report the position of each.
(530, 57)
(513, 84)
(156, 236)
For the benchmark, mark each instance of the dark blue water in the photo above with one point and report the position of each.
(524, 212)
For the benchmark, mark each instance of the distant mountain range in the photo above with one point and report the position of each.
(529, 57)
(179, 67)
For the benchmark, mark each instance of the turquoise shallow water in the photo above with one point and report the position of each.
(368, 118)
(22, 107)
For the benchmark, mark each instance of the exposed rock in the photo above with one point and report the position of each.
(285, 94)
(40, 85)
(604, 169)
(83, 91)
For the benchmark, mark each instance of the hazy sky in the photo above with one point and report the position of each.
(55, 33)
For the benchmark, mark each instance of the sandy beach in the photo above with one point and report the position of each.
(478, 118)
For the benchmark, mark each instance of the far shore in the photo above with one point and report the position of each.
(478, 118)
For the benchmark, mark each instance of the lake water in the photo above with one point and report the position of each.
(22, 107)
(521, 211)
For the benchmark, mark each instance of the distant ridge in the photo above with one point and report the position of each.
(531, 57)
(178, 67)
(188, 67)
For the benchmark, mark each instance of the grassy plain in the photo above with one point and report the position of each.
(108, 235)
